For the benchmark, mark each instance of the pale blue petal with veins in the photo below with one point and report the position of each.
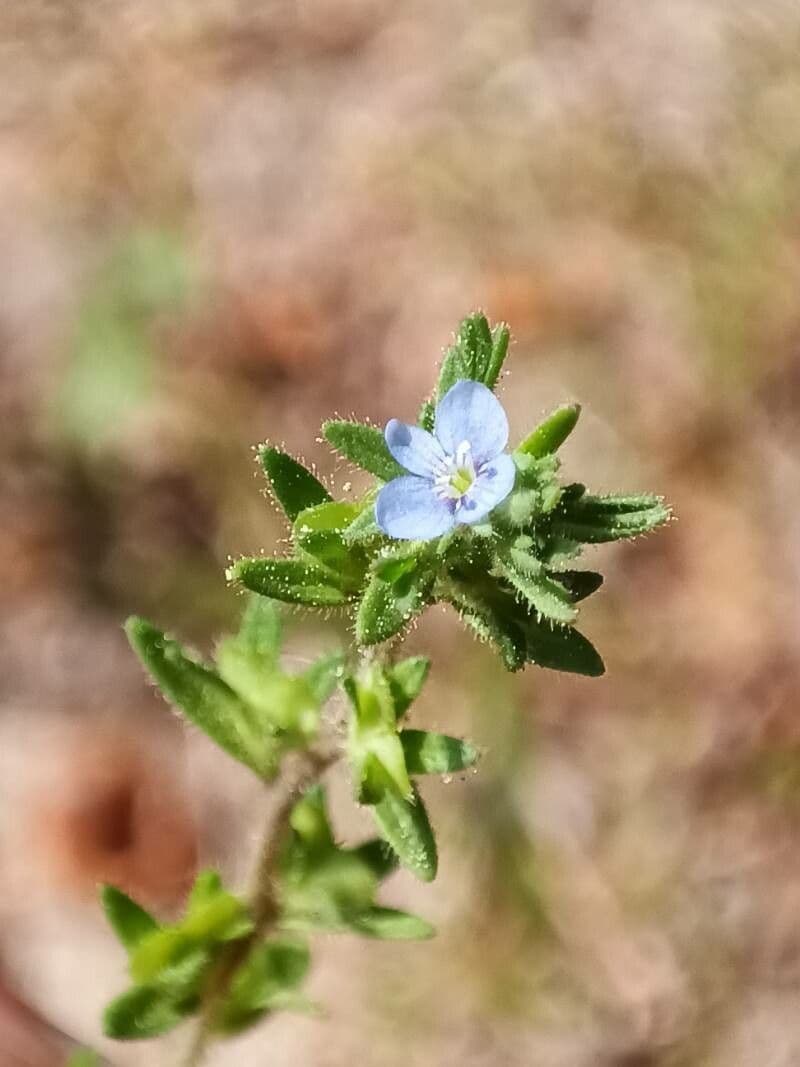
(457, 475)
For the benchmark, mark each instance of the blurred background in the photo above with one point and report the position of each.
(223, 221)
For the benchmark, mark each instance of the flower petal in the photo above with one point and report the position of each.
(471, 412)
(415, 449)
(490, 488)
(408, 508)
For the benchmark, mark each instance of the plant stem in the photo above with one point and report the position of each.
(264, 906)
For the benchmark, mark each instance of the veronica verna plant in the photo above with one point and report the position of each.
(453, 517)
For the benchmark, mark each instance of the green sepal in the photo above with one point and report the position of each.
(203, 697)
(142, 1012)
(501, 336)
(294, 487)
(406, 680)
(477, 355)
(390, 603)
(406, 826)
(552, 432)
(272, 971)
(364, 446)
(389, 924)
(129, 921)
(599, 519)
(432, 753)
(290, 580)
(427, 415)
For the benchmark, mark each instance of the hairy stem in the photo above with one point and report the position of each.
(264, 904)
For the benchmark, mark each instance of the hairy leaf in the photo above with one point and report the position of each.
(203, 697)
(141, 1012)
(597, 519)
(581, 584)
(290, 580)
(561, 648)
(364, 446)
(388, 924)
(378, 857)
(130, 922)
(501, 336)
(294, 487)
(431, 753)
(406, 680)
(273, 969)
(405, 825)
(387, 607)
(544, 595)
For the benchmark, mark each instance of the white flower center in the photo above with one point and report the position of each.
(455, 474)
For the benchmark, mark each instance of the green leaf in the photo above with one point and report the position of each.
(271, 971)
(405, 825)
(203, 697)
(387, 607)
(141, 1012)
(492, 620)
(319, 535)
(293, 486)
(309, 821)
(431, 753)
(260, 629)
(323, 676)
(377, 856)
(581, 584)
(364, 446)
(223, 917)
(389, 924)
(364, 528)
(207, 886)
(83, 1057)
(406, 680)
(550, 434)
(324, 889)
(174, 950)
(561, 648)
(130, 922)
(374, 748)
(470, 357)
(544, 595)
(598, 519)
(290, 580)
(286, 708)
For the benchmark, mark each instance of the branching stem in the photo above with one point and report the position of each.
(265, 907)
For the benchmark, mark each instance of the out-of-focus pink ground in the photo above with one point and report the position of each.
(221, 222)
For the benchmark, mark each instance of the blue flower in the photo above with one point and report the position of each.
(457, 474)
